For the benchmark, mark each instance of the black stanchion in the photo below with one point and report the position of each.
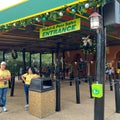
(70, 82)
(90, 86)
(117, 95)
(71, 78)
(58, 106)
(58, 95)
(12, 85)
(9, 83)
(110, 81)
(77, 91)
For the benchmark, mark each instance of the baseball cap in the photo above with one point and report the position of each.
(3, 63)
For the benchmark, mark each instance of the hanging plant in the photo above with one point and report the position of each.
(88, 46)
(14, 54)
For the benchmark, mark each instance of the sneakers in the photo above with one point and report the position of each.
(4, 109)
(26, 107)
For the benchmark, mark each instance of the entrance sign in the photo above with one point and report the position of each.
(97, 90)
(64, 27)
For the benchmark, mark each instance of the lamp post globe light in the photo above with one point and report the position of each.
(95, 20)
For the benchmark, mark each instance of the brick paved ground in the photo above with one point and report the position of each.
(69, 109)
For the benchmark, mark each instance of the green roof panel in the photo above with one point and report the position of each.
(31, 8)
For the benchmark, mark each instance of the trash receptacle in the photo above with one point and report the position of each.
(41, 97)
(117, 95)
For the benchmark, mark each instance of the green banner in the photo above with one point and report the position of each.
(64, 27)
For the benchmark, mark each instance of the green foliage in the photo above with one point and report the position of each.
(14, 64)
(46, 59)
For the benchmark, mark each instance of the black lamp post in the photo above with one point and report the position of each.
(96, 23)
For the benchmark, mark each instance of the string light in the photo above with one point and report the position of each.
(68, 10)
(47, 13)
(14, 24)
(87, 5)
(43, 18)
(61, 13)
(37, 19)
(73, 10)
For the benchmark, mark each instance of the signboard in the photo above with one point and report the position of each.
(97, 90)
(64, 27)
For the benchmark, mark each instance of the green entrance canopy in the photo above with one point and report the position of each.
(17, 32)
(29, 8)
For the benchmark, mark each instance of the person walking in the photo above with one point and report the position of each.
(27, 80)
(5, 76)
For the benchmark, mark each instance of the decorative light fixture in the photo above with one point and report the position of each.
(68, 10)
(60, 13)
(73, 10)
(95, 20)
(47, 13)
(43, 18)
(37, 19)
(87, 5)
(14, 24)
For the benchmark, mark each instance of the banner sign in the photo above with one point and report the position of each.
(97, 90)
(64, 27)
